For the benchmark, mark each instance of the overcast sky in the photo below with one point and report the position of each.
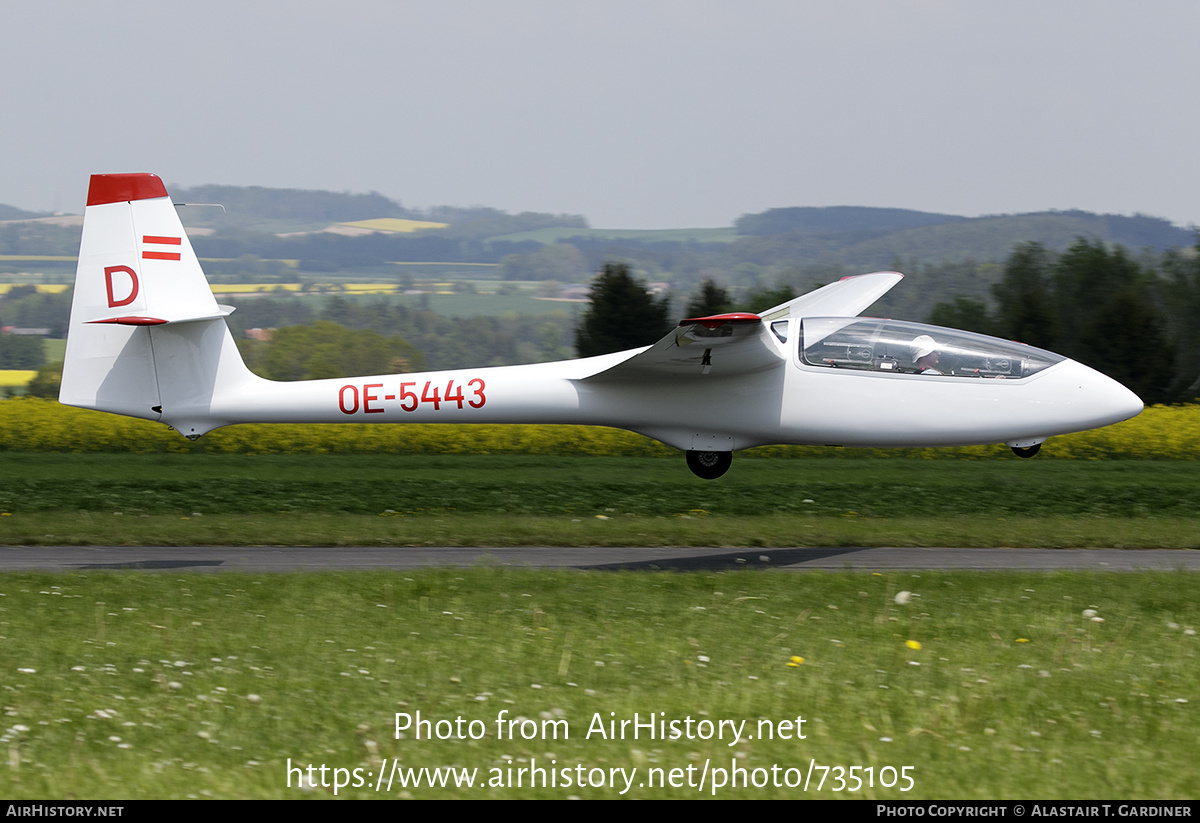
(634, 113)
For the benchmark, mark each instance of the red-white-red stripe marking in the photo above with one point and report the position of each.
(159, 240)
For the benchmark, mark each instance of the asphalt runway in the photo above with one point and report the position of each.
(333, 558)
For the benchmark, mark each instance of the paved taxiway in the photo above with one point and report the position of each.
(324, 558)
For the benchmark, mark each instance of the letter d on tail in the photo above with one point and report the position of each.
(108, 285)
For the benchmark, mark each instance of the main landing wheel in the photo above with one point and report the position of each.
(1029, 451)
(709, 465)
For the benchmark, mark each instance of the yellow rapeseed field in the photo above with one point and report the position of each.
(395, 224)
(370, 288)
(16, 377)
(252, 288)
(42, 288)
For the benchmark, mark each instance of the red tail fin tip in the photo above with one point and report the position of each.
(120, 188)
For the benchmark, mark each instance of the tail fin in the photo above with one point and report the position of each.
(146, 338)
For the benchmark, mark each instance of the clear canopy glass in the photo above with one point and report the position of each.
(899, 347)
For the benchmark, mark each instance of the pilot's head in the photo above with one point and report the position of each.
(925, 352)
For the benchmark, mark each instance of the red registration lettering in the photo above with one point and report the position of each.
(406, 395)
(368, 397)
(478, 394)
(372, 399)
(435, 400)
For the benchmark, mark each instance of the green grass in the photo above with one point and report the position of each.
(987, 685)
(135, 684)
(195, 499)
(303, 529)
(55, 350)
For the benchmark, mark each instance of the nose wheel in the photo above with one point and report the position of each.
(709, 465)
(1028, 451)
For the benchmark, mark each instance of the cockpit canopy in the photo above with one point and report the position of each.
(895, 346)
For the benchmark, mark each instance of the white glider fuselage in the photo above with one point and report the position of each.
(790, 403)
(147, 339)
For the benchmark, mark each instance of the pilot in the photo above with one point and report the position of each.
(925, 355)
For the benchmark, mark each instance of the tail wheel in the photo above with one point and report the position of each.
(1028, 451)
(709, 465)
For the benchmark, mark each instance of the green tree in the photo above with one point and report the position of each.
(27, 309)
(964, 313)
(622, 314)
(46, 382)
(550, 342)
(1095, 304)
(555, 261)
(712, 299)
(1107, 318)
(763, 299)
(1125, 338)
(19, 291)
(1087, 278)
(1181, 297)
(21, 352)
(326, 349)
(1025, 305)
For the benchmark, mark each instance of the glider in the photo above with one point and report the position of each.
(148, 339)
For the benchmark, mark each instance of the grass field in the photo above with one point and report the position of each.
(1000, 685)
(182, 499)
(974, 685)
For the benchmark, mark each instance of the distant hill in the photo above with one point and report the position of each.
(495, 225)
(837, 219)
(13, 213)
(294, 211)
(565, 234)
(255, 208)
(290, 224)
(876, 237)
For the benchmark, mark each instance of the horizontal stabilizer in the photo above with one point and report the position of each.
(136, 320)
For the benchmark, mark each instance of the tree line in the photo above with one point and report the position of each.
(1136, 321)
(343, 338)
